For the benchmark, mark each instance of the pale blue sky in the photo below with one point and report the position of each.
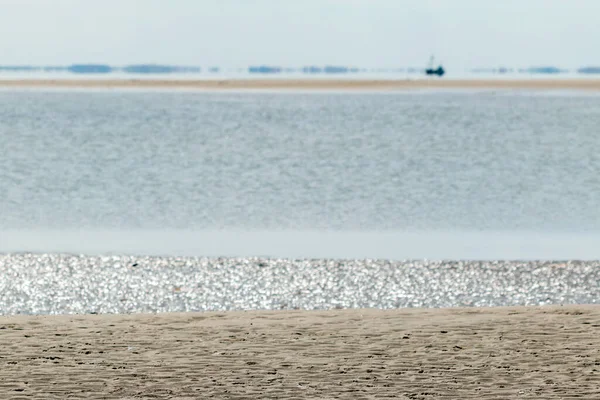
(369, 33)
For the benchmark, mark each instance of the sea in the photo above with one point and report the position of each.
(420, 174)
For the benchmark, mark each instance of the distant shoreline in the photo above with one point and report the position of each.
(310, 84)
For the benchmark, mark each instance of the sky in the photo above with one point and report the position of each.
(364, 33)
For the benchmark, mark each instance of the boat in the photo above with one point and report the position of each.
(439, 71)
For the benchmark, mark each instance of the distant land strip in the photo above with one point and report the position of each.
(105, 69)
(310, 84)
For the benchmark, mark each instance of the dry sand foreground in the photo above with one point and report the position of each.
(311, 84)
(479, 353)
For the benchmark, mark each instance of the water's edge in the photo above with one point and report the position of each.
(309, 244)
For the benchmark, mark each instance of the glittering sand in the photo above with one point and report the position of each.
(550, 352)
(311, 84)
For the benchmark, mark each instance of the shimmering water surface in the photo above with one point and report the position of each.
(51, 284)
(471, 174)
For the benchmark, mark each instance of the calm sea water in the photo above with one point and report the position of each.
(486, 174)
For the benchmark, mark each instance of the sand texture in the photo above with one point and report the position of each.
(311, 84)
(548, 352)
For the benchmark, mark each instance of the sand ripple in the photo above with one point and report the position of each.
(499, 353)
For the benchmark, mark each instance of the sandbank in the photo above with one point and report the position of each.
(310, 84)
(550, 352)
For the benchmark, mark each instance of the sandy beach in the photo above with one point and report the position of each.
(310, 84)
(480, 353)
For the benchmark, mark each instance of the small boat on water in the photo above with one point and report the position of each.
(439, 71)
